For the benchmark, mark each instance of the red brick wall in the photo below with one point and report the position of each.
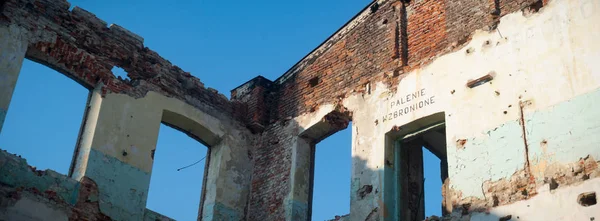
(271, 175)
(426, 32)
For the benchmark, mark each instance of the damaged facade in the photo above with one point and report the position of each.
(503, 91)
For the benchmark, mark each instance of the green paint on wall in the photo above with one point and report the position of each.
(218, 211)
(123, 189)
(565, 132)
(15, 172)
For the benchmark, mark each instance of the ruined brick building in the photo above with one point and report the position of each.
(505, 92)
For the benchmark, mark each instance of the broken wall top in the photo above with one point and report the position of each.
(81, 46)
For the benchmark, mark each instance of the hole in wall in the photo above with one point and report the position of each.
(313, 81)
(482, 80)
(533, 8)
(505, 218)
(374, 7)
(119, 73)
(553, 184)
(44, 117)
(174, 193)
(470, 50)
(587, 199)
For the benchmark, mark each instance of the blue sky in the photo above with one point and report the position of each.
(224, 43)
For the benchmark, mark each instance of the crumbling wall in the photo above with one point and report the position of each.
(478, 63)
(118, 137)
(514, 81)
(82, 46)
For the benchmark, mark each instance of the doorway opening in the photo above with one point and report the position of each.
(417, 170)
(420, 191)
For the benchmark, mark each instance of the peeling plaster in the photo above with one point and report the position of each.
(558, 205)
(564, 133)
(308, 120)
(64, 188)
(553, 47)
(221, 212)
(43, 211)
(123, 188)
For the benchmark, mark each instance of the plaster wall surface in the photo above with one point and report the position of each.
(33, 210)
(125, 139)
(13, 47)
(559, 204)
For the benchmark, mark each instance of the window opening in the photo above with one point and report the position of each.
(176, 193)
(44, 118)
(332, 172)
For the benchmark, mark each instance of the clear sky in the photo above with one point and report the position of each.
(224, 43)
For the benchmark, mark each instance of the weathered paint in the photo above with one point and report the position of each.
(560, 204)
(126, 124)
(296, 210)
(16, 173)
(228, 179)
(123, 189)
(499, 154)
(556, 47)
(123, 131)
(296, 202)
(43, 211)
(221, 212)
(563, 133)
(13, 45)
(553, 47)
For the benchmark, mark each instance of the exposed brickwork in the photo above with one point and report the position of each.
(381, 44)
(426, 38)
(372, 51)
(77, 200)
(87, 207)
(81, 46)
(517, 187)
(254, 96)
(270, 182)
